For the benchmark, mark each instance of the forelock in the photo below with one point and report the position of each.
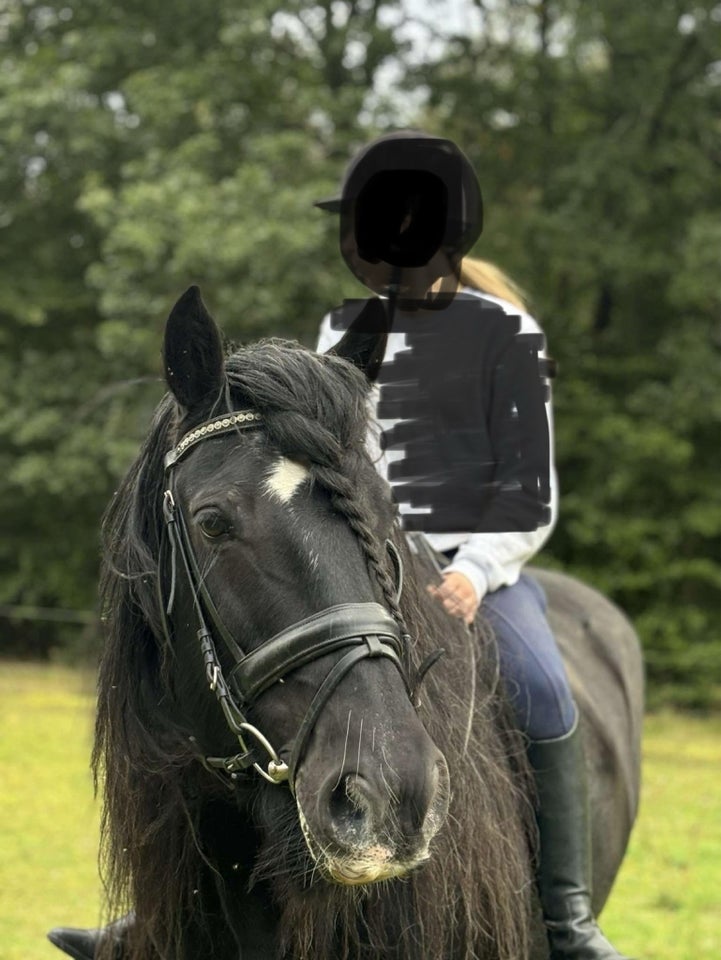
(313, 406)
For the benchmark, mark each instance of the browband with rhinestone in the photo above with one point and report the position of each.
(231, 421)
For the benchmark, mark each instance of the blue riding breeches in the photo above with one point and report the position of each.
(531, 665)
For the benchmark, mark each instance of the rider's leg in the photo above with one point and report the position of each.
(531, 664)
(541, 698)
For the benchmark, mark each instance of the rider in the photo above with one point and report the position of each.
(409, 213)
(486, 565)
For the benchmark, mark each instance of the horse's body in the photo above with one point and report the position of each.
(282, 528)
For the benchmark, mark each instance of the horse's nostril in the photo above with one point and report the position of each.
(351, 809)
(342, 807)
(378, 812)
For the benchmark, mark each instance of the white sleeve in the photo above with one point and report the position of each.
(493, 560)
(327, 336)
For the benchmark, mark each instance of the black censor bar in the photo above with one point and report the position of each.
(469, 394)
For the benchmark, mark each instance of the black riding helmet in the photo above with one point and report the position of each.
(405, 197)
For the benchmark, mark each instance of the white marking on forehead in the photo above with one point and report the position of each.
(284, 479)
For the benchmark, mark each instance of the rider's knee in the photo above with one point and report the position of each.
(551, 711)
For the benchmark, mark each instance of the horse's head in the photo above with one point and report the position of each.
(284, 595)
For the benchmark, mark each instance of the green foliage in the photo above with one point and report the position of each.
(147, 147)
(593, 130)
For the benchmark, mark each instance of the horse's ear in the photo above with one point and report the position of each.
(193, 353)
(364, 342)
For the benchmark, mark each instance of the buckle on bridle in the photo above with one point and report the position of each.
(277, 770)
(168, 506)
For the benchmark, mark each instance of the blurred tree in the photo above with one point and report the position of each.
(148, 147)
(595, 133)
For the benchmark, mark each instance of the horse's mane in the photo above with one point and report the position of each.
(472, 899)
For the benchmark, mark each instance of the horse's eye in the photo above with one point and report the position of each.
(213, 525)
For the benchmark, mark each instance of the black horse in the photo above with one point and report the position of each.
(331, 796)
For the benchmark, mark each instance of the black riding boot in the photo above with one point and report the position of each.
(564, 870)
(84, 944)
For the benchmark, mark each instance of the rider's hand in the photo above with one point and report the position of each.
(457, 595)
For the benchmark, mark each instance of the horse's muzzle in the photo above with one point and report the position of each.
(370, 826)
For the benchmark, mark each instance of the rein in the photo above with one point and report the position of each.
(364, 630)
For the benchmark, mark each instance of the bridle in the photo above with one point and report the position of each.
(363, 630)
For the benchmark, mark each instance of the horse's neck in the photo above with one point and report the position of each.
(230, 841)
(256, 930)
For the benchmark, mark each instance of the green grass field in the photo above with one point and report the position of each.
(666, 904)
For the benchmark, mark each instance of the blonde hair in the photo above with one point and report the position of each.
(488, 278)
